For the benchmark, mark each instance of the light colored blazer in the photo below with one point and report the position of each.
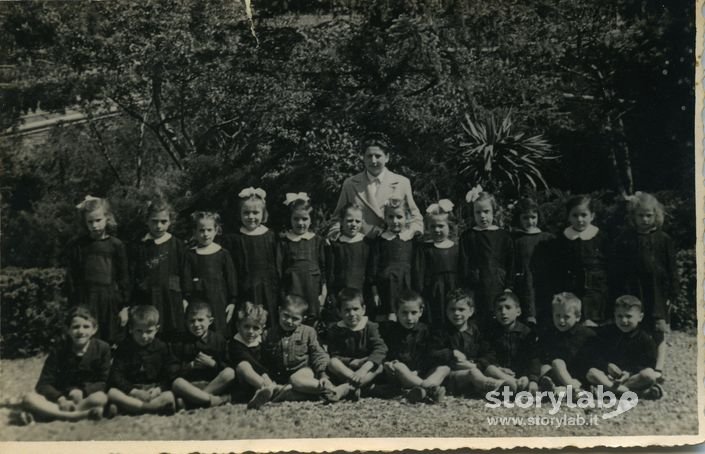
(393, 186)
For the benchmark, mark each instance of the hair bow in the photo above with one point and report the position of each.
(292, 197)
(249, 192)
(442, 206)
(633, 198)
(473, 194)
(88, 198)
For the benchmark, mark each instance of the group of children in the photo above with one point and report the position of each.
(239, 319)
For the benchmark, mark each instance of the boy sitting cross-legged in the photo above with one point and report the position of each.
(565, 349)
(513, 345)
(355, 345)
(464, 349)
(627, 354)
(292, 354)
(408, 359)
(143, 368)
(245, 354)
(204, 380)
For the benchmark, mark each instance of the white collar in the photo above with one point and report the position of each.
(254, 343)
(360, 326)
(294, 237)
(490, 228)
(161, 240)
(380, 177)
(208, 250)
(587, 234)
(533, 231)
(259, 230)
(356, 239)
(387, 235)
(445, 244)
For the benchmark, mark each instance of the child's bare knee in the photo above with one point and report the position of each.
(592, 375)
(228, 374)
(98, 398)
(558, 364)
(443, 370)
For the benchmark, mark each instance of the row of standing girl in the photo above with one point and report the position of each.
(258, 266)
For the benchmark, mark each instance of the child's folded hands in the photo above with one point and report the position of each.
(203, 361)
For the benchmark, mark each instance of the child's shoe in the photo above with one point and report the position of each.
(655, 392)
(546, 384)
(355, 394)
(493, 384)
(436, 394)
(384, 391)
(24, 418)
(337, 393)
(522, 383)
(261, 397)
(95, 413)
(416, 395)
(111, 411)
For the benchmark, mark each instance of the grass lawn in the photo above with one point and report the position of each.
(673, 415)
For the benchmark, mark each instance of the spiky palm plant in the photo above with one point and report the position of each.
(496, 155)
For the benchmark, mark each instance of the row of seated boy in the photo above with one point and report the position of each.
(361, 358)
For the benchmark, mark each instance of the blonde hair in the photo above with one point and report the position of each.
(628, 302)
(646, 201)
(567, 300)
(91, 204)
(252, 312)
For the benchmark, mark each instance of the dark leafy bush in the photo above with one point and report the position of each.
(683, 310)
(32, 310)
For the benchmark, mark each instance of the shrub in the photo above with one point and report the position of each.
(32, 310)
(683, 310)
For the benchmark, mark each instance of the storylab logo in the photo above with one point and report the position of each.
(564, 399)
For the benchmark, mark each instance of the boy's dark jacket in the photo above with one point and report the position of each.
(189, 346)
(633, 351)
(63, 370)
(137, 365)
(470, 342)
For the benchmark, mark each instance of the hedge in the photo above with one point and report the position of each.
(32, 310)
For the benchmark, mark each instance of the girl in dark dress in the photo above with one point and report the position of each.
(157, 264)
(348, 256)
(486, 255)
(530, 262)
(580, 260)
(97, 275)
(254, 250)
(301, 257)
(71, 386)
(209, 273)
(392, 256)
(437, 264)
(645, 266)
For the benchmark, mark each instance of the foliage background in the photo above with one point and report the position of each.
(180, 97)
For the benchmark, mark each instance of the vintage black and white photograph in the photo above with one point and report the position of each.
(313, 219)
